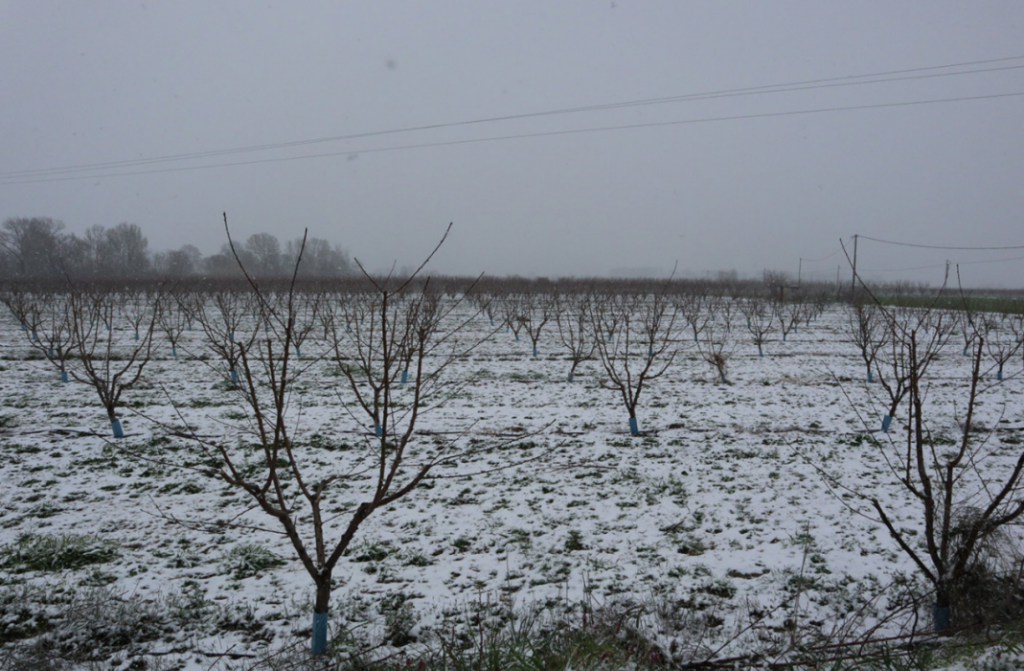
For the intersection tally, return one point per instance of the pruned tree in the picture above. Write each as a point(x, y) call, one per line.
point(962, 499)
point(716, 349)
point(535, 316)
point(892, 364)
point(760, 319)
point(52, 331)
point(640, 347)
point(866, 328)
point(574, 329)
point(1001, 343)
point(109, 362)
point(292, 482)
point(222, 323)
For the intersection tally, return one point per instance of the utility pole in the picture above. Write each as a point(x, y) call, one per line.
point(853, 280)
point(799, 270)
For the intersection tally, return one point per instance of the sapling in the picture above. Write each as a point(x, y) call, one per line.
point(108, 361)
point(536, 313)
point(760, 319)
point(640, 346)
point(867, 330)
point(574, 330)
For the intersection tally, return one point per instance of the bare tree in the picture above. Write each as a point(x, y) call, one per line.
point(536, 314)
point(291, 482)
point(223, 327)
point(640, 346)
point(959, 496)
point(1000, 342)
point(867, 330)
point(265, 252)
point(894, 368)
point(716, 349)
point(32, 244)
point(574, 330)
point(109, 362)
point(760, 319)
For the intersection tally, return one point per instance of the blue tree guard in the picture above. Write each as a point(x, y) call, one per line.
point(378, 430)
point(298, 351)
point(870, 378)
point(116, 426)
point(535, 352)
point(319, 642)
point(569, 379)
point(136, 335)
point(886, 421)
point(234, 377)
point(723, 378)
point(64, 376)
point(760, 352)
point(999, 373)
point(634, 428)
point(50, 353)
point(940, 617)
point(231, 336)
point(405, 376)
point(174, 351)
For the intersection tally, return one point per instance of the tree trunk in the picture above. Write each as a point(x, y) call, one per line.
point(320, 607)
point(941, 610)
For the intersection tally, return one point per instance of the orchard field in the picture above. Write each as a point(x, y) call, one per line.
point(737, 518)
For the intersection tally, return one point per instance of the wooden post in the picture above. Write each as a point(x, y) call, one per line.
point(853, 280)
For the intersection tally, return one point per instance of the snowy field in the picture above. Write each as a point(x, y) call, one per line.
point(714, 525)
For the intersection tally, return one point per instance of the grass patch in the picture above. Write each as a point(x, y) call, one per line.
point(57, 552)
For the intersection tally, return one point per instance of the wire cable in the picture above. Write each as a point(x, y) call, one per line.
point(919, 246)
point(824, 258)
point(850, 80)
point(577, 131)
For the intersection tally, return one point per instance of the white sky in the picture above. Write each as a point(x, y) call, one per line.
point(86, 83)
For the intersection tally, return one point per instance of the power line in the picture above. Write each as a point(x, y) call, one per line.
point(900, 270)
point(973, 263)
point(824, 258)
point(850, 80)
point(577, 131)
point(911, 244)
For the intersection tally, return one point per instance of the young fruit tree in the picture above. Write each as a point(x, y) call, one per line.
point(574, 330)
point(109, 359)
point(640, 346)
point(964, 489)
point(304, 486)
point(962, 499)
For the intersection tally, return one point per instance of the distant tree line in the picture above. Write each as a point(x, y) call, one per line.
point(38, 247)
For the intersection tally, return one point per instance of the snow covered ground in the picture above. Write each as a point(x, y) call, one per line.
point(716, 518)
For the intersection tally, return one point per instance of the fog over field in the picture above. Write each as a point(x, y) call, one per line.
point(605, 138)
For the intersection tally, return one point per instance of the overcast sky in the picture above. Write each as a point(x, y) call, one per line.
point(742, 182)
